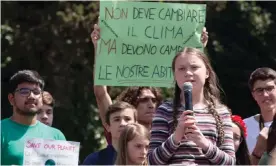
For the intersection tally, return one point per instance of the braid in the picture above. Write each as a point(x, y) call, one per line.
point(176, 103)
point(211, 91)
point(212, 103)
point(212, 110)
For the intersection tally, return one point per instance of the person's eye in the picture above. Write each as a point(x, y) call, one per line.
point(116, 120)
point(127, 119)
point(24, 91)
point(36, 91)
point(194, 67)
point(138, 146)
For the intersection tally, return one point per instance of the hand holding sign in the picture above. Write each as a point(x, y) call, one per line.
point(95, 35)
point(39, 151)
point(140, 39)
point(204, 37)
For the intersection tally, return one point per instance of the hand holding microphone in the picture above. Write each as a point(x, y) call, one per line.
point(188, 113)
point(191, 131)
point(187, 130)
point(186, 118)
point(187, 90)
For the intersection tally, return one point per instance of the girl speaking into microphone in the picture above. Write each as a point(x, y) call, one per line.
point(200, 136)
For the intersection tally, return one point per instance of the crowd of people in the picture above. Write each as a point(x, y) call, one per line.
point(143, 129)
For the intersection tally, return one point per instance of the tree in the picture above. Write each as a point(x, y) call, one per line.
point(240, 41)
point(54, 39)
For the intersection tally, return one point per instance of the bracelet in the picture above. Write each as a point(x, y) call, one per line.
point(258, 157)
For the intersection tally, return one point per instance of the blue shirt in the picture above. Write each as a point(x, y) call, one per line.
point(106, 156)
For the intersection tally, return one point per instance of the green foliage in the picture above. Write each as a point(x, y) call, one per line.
point(240, 41)
point(54, 39)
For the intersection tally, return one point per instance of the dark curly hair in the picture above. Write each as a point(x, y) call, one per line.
point(131, 94)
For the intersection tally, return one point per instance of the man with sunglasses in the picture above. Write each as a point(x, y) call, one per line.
point(144, 99)
point(25, 96)
point(262, 84)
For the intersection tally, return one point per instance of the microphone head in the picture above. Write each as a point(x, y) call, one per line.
point(187, 86)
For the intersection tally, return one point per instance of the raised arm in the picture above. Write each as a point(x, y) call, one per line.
point(102, 97)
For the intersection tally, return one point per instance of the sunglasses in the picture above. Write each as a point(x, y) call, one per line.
point(147, 99)
point(26, 91)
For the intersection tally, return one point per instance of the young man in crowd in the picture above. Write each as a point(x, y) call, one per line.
point(117, 117)
point(45, 113)
point(25, 96)
point(262, 84)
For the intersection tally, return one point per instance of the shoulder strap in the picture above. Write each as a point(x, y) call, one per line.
point(260, 120)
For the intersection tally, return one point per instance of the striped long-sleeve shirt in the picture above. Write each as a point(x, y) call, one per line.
point(163, 150)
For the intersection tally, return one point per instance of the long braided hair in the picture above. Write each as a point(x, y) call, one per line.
point(211, 92)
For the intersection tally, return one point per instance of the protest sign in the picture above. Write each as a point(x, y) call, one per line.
point(139, 40)
point(50, 152)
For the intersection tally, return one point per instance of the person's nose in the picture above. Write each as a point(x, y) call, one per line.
point(44, 116)
point(188, 72)
point(151, 104)
point(123, 122)
point(31, 95)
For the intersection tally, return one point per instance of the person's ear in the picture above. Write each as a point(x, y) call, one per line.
point(107, 127)
point(207, 74)
point(11, 99)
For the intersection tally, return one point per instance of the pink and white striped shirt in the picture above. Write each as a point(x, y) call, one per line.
point(162, 149)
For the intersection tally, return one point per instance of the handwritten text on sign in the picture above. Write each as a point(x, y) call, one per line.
point(51, 152)
point(139, 40)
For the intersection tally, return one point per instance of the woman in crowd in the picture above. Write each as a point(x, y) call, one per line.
point(200, 136)
point(133, 145)
point(239, 136)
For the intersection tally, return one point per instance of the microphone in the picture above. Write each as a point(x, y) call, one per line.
point(187, 89)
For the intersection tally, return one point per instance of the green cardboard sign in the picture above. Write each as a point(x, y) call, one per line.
point(139, 40)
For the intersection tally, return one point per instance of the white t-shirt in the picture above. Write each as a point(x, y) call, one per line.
point(253, 131)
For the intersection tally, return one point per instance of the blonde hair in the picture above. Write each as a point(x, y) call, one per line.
point(211, 91)
point(48, 99)
point(128, 134)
